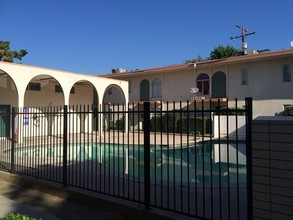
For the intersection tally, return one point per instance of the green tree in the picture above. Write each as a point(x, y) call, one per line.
point(8, 55)
point(220, 52)
point(198, 59)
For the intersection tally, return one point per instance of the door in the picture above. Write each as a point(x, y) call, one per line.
point(144, 90)
point(219, 85)
point(4, 120)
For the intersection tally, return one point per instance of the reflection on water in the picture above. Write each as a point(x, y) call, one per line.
point(206, 163)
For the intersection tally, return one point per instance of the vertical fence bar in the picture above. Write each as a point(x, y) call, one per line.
point(12, 140)
point(168, 155)
point(65, 145)
point(211, 159)
point(237, 158)
point(147, 154)
point(248, 105)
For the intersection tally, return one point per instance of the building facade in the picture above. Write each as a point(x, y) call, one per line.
point(266, 77)
point(29, 88)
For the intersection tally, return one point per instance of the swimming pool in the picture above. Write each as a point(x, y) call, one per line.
point(208, 162)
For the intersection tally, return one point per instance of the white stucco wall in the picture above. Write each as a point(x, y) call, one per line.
point(21, 75)
point(14, 79)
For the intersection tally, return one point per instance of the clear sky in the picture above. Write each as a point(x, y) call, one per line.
point(94, 36)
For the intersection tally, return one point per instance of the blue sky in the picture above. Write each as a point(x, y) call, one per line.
point(94, 36)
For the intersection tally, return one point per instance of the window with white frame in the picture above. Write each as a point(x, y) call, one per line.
point(203, 83)
point(286, 73)
point(157, 88)
point(244, 76)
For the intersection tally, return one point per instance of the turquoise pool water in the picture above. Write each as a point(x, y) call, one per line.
point(209, 162)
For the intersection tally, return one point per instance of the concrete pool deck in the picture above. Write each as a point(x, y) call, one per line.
point(176, 140)
point(49, 202)
point(18, 199)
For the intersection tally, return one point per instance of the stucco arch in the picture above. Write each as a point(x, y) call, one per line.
point(114, 94)
point(8, 90)
point(113, 105)
point(83, 92)
point(41, 86)
point(83, 97)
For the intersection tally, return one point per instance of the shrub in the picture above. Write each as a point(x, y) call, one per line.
point(17, 216)
point(172, 122)
point(231, 111)
point(120, 124)
point(288, 111)
point(165, 123)
point(188, 125)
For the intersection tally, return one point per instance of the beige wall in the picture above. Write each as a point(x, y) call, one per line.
point(265, 84)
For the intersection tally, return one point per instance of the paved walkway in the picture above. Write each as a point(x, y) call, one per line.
point(47, 207)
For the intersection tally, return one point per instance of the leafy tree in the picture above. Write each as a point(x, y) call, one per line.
point(220, 52)
point(8, 55)
point(198, 59)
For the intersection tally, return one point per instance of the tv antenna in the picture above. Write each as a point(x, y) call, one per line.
point(242, 36)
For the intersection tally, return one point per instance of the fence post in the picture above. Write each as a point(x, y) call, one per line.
point(12, 140)
point(147, 175)
point(248, 105)
point(65, 129)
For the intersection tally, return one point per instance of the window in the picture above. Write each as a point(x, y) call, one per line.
point(58, 89)
point(72, 91)
point(144, 90)
point(203, 83)
point(244, 76)
point(34, 86)
point(286, 73)
point(129, 86)
point(157, 88)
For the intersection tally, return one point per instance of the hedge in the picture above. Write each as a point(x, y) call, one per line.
point(288, 111)
point(173, 123)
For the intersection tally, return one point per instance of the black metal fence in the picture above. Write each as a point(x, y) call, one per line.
point(191, 158)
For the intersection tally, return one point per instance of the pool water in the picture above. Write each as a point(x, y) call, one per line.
point(208, 162)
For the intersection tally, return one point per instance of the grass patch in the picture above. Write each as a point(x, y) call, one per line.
point(17, 216)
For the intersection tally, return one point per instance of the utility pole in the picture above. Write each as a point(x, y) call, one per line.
point(242, 36)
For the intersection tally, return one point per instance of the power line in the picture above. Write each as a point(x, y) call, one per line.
point(242, 36)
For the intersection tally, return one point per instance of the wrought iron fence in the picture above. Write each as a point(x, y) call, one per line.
point(191, 158)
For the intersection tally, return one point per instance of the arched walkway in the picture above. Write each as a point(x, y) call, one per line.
point(8, 98)
point(43, 86)
point(114, 103)
point(28, 87)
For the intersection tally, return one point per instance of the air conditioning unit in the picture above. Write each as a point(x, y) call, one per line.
point(119, 70)
point(251, 52)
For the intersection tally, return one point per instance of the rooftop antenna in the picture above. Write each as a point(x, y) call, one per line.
point(242, 36)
